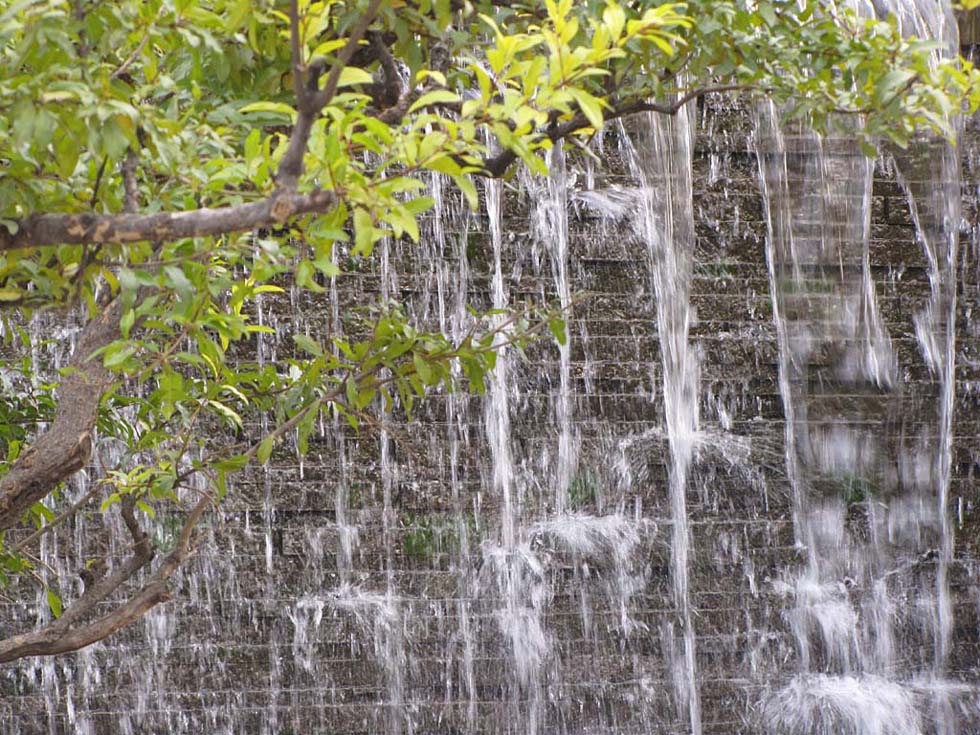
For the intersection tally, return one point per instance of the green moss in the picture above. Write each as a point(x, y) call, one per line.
point(583, 491)
point(855, 489)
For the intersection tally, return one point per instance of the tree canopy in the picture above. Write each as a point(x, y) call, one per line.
point(163, 163)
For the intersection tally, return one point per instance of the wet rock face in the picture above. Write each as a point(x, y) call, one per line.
point(508, 563)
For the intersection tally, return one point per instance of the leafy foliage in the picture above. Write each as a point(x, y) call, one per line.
point(289, 139)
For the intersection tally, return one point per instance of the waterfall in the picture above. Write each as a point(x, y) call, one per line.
point(453, 321)
point(660, 154)
point(861, 500)
point(511, 571)
point(552, 231)
point(723, 507)
point(930, 176)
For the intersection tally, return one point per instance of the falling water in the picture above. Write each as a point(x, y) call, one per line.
point(661, 156)
point(454, 320)
point(510, 569)
point(930, 177)
point(807, 584)
point(552, 231)
point(838, 376)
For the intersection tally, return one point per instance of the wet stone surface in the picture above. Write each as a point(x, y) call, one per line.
point(508, 563)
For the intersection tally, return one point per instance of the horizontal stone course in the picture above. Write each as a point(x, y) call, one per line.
point(229, 654)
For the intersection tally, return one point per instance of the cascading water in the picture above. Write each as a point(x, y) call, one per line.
point(505, 566)
point(660, 154)
point(860, 499)
point(552, 231)
point(460, 672)
point(511, 572)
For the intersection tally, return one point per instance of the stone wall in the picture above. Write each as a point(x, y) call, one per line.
point(257, 639)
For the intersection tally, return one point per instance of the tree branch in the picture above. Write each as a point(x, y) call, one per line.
point(391, 89)
point(59, 638)
point(106, 585)
point(323, 97)
point(66, 445)
point(55, 229)
point(124, 67)
point(309, 102)
point(497, 165)
point(61, 518)
point(48, 642)
point(291, 165)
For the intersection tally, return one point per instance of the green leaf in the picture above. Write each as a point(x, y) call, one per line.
point(439, 96)
point(118, 354)
point(264, 451)
point(327, 267)
point(253, 146)
point(558, 329)
point(305, 277)
point(363, 232)
point(54, 602)
point(469, 190)
point(590, 106)
point(422, 368)
point(351, 75)
point(232, 464)
point(221, 483)
point(229, 415)
point(177, 279)
point(308, 345)
point(275, 107)
point(126, 322)
point(364, 398)
point(109, 502)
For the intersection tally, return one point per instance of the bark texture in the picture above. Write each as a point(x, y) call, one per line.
point(66, 446)
point(39, 230)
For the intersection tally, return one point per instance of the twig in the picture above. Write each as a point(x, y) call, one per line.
point(124, 67)
point(323, 97)
point(309, 102)
point(128, 62)
point(58, 520)
point(98, 182)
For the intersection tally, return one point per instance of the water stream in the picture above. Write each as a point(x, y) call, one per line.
point(660, 156)
point(728, 504)
point(866, 503)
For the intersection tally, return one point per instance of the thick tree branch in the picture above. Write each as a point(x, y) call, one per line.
point(59, 637)
point(66, 445)
point(101, 588)
point(47, 642)
point(291, 165)
point(390, 91)
point(55, 229)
